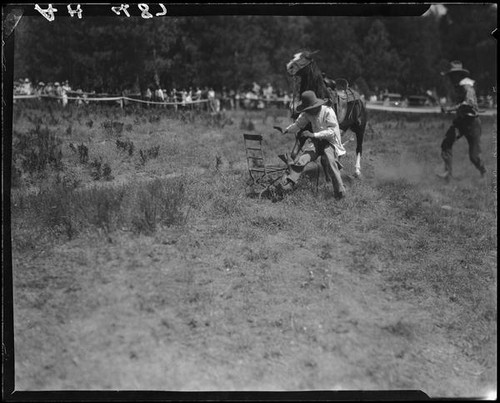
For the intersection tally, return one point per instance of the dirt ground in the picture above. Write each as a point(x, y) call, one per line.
point(265, 302)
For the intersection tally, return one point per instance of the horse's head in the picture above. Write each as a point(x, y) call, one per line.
point(299, 61)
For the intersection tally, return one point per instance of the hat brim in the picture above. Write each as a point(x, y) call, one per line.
point(455, 71)
point(319, 102)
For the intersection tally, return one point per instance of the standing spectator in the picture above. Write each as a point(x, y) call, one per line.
point(47, 90)
point(159, 95)
point(165, 96)
point(58, 91)
point(40, 88)
point(268, 93)
point(189, 98)
point(217, 103)
point(237, 99)
point(286, 100)
point(68, 87)
point(211, 99)
point(19, 86)
point(224, 99)
point(173, 98)
point(148, 95)
point(183, 97)
point(256, 88)
point(431, 94)
point(489, 99)
point(197, 97)
point(231, 96)
point(466, 122)
point(27, 89)
point(79, 96)
point(64, 92)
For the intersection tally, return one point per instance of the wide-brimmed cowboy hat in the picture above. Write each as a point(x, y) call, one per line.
point(308, 100)
point(456, 68)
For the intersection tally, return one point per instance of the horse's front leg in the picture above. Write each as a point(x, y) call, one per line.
point(359, 152)
point(357, 166)
point(357, 169)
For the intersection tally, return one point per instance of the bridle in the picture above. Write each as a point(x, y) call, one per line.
point(299, 61)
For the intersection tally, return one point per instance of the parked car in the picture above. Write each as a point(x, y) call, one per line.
point(393, 99)
point(418, 100)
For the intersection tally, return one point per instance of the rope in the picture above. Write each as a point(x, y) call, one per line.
point(85, 99)
point(165, 103)
point(119, 98)
point(368, 105)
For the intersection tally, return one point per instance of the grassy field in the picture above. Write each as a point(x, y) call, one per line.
point(140, 261)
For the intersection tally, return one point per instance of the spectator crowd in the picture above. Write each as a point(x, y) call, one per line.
point(252, 96)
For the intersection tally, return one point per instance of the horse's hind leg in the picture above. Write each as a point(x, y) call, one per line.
point(359, 130)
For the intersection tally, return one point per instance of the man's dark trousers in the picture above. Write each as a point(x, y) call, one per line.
point(470, 128)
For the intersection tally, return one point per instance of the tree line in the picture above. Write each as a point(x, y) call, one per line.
point(401, 54)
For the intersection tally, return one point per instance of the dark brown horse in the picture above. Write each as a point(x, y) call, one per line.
point(348, 105)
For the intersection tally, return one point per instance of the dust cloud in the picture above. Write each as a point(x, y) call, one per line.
point(403, 167)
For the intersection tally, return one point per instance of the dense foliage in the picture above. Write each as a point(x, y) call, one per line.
point(403, 54)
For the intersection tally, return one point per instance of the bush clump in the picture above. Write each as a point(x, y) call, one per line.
point(141, 208)
point(37, 150)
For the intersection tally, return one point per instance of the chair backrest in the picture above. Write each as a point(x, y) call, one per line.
point(254, 151)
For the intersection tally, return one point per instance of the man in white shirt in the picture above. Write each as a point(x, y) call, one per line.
point(211, 99)
point(324, 141)
point(64, 92)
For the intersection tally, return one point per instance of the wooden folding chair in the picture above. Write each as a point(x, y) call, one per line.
point(262, 175)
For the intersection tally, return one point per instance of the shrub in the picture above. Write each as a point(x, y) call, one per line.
point(157, 202)
point(83, 153)
point(53, 211)
point(126, 146)
point(36, 150)
point(148, 154)
point(100, 170)
point(60, 210)
point(113, 128)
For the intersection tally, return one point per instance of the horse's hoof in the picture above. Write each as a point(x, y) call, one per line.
point(357, 174)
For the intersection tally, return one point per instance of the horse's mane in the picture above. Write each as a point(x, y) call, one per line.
point(312, 79)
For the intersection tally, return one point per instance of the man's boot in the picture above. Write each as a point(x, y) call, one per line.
point(447, 174)
point(482, 170)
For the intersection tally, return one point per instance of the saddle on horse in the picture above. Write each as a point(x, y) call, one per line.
point(341, 97)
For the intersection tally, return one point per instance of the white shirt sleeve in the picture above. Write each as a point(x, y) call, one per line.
point(330, 121)
point(299, 124)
